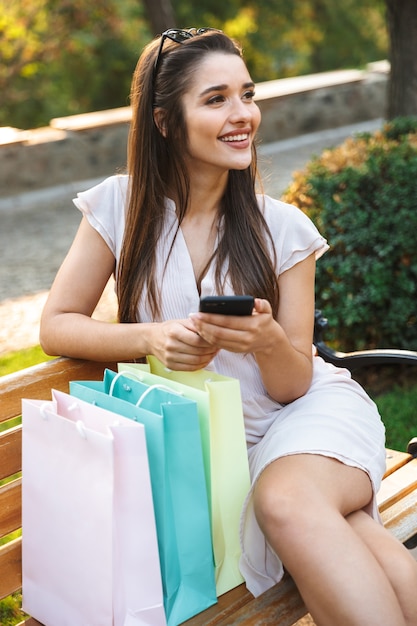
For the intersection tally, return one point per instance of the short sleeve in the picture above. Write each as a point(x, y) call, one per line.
point(104, 207)
point(294, 234)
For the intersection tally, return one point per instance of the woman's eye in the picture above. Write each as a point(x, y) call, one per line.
point(215, 99)
point(249, 95)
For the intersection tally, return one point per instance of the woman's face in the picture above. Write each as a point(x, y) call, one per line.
point(220, 115)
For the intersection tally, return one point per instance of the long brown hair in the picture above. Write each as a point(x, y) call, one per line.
point(156, 164)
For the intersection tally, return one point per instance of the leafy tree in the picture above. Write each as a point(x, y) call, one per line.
point(60, 57)
point(283, 38)
point(402, 24)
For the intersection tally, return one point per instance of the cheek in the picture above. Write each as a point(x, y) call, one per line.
point(257, 117)
point(204, 126)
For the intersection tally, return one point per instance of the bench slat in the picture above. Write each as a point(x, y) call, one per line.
point(394, 460)
point(36, 382)
point(400, 518)
point(226, 605)
point(397, 485)
point(10, 507)
point(10, 452)
point(238, 608)
point(10, 567)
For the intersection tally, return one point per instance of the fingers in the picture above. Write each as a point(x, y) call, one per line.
point(179, 347)
point(234, 333)
point(262, 306)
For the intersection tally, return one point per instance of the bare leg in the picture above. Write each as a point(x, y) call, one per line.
point(301, 503)
point(397, 563)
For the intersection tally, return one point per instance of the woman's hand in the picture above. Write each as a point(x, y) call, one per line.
point(282, 346)
point(178, 345)
point(246, 334)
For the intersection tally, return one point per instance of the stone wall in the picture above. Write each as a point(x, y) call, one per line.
point(92, 145)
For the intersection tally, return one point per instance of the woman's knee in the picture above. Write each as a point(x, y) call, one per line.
point(282, 502)
point(274, 505)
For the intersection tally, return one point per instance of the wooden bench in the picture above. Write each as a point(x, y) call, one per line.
point(281, 605)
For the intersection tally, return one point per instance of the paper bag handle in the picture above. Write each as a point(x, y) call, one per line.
point(156, 386)
point(79, 424)
point(137, 377)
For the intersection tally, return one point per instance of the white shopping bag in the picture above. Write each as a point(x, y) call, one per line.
point(89, 545)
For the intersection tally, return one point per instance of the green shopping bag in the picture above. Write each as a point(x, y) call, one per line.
point(225, 455)
point(178, 486)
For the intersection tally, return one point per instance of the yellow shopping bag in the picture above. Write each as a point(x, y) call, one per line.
point(225, 455)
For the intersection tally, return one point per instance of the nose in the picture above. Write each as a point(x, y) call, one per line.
point(240, 111)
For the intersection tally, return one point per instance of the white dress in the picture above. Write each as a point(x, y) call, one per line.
point(334, 418)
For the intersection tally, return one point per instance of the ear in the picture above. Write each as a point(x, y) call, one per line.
point(159, 116)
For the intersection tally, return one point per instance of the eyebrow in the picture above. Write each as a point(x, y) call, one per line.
point(224, 87)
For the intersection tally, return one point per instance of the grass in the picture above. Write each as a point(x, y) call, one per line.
point(399, 411)
point(394, 390)
point(15, 361)
point(10, 611)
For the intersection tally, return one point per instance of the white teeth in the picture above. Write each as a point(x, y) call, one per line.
point(242, 137)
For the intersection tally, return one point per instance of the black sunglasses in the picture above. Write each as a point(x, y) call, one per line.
point(179, 36)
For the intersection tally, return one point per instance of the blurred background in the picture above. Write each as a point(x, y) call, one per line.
point(64, 57)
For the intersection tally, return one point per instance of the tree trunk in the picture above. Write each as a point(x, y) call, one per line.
point(402, 26)
point(161, 15)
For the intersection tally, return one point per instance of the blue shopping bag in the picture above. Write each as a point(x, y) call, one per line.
point(225, 454)
point(178, 485)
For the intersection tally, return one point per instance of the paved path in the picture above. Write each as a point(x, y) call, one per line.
point(37, 229)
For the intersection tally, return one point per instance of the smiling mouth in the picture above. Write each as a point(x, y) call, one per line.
point(231, 138)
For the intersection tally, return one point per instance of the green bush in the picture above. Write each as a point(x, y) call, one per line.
point(362, 195)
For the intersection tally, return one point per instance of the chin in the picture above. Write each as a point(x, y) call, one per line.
point(241, 166)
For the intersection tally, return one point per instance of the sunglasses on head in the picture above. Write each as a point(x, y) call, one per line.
point(178, 35)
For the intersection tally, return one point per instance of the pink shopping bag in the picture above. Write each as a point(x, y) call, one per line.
point(89, 545)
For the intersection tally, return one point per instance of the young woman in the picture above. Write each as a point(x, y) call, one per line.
point(185, 222)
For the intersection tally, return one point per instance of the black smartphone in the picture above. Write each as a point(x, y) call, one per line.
point(227, 305)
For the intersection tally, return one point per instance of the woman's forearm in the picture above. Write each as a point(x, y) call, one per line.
point(286, 372)
point(79, 336)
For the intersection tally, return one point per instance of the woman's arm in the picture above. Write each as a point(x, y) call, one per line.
point(68, 329)
point(282, 347)
point(66, 324)
point(285, 360)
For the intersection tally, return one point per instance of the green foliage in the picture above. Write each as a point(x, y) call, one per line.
point(282, 38)
point(362, 197)
point(62, 57)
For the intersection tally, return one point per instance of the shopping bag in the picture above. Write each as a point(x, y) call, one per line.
point(178, 486)
point(89, 545)
point(226, 461)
